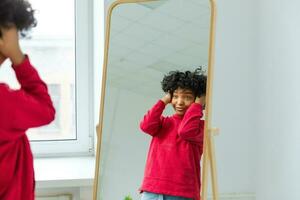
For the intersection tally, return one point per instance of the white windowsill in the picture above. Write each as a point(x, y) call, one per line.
point(64, 172)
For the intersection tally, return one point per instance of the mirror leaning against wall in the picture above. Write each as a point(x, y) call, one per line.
point(145, 41)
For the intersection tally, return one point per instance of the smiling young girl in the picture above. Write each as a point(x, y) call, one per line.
point(173, 165)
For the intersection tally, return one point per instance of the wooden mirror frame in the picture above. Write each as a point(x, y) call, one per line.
point(208, 159)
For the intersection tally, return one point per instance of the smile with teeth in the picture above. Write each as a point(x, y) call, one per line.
point(180, 109)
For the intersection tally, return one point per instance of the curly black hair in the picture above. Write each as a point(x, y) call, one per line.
point(194, 81)
point(18, 13)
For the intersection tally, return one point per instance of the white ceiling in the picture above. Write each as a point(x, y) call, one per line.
point(150, 39)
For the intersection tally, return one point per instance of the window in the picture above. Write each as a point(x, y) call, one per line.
point(60, 48)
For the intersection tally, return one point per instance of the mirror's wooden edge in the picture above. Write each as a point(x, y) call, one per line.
point(209, 86)
point(213, 169)
point(99, 126)
point(104, 70)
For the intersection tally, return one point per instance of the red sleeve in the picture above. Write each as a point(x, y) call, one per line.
point(191, 127)
point(152, 121)
point(29, 106)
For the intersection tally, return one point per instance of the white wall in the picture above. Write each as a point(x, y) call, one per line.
point(235, 95)
point(279, 101)
point(256, 98)
point(124, 146)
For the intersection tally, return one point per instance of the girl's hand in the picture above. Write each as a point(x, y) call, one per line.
point(200, 100)
point(9, 45)
point(2, 59)
point(167, 98)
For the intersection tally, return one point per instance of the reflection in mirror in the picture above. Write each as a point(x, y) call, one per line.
point(147, 40)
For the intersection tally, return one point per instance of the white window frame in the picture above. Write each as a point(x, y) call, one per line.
point(84, 99)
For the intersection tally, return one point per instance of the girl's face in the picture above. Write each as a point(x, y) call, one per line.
point(181, 100)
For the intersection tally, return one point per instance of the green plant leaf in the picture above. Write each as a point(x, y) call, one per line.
point(128, 198)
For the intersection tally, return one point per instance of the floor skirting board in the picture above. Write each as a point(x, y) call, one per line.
point(235, 196)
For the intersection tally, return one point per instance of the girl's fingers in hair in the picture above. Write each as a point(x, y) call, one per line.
point(200, 100)
point(167, 98)
point(2, 59)
point(9, 45)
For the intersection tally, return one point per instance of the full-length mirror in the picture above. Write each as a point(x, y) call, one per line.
point(146, 40)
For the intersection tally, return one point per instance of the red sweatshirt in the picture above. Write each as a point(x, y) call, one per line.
point(21, 109)
point(173, 163)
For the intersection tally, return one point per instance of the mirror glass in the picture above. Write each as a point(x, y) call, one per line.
point(147, 40)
